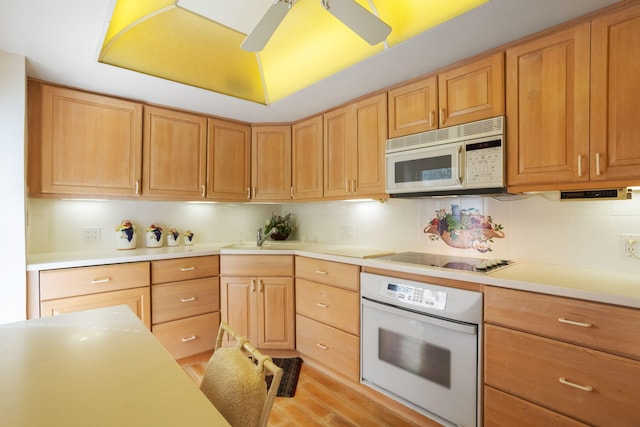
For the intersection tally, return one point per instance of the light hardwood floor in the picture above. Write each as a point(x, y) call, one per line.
point(319, 401)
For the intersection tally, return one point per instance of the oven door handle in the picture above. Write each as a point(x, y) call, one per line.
point(453, 325)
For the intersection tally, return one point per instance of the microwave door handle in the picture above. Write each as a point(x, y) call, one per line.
point(460, 165)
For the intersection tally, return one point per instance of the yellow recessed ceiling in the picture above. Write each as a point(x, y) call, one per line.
point(163, 39)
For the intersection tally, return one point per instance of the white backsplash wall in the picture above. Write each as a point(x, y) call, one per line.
point(56, 225)
point(537, 228)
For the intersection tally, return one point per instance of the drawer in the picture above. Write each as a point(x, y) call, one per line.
point(177, 269)
point(601, 326)
point(504, 410)
point(256, 265)
point(333, 306)
point(68, 282)
point(173, 301)
point(531, 367)
point(333, 348)
point(345, 276)
point(137, 299)
point(189, 336)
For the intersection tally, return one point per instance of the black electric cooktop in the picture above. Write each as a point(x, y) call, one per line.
point(448, 261)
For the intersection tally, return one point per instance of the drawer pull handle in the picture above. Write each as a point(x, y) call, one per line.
point(191, 338)
point(322, 346)
point(187, 299)
point(574, 323)
point(105, 280)
point(321, 272)
point(321, 304)
point(187, 268)
point(564, 381)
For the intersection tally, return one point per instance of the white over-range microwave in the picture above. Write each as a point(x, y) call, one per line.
point(463, 159)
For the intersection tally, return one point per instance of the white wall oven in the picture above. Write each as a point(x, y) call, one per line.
point(420, 345)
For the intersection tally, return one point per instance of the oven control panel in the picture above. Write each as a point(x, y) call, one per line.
point(414, 295)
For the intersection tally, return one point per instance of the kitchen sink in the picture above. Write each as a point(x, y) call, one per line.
point(272, 245)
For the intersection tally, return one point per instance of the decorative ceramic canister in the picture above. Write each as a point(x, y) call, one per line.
point(125, 235)
point(173, 237)
point(188, 238)
point(154, 236)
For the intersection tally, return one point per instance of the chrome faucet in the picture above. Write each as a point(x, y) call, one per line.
point(262, 237)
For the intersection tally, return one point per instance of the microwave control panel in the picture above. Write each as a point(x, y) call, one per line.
point(485, 164)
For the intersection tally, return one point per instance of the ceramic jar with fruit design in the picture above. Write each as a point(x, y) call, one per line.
point(125, 235)
point(153, 237)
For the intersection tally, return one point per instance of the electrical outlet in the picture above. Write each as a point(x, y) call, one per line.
point(630, 244)
point(91, 234)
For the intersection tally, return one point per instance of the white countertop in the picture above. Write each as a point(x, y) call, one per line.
point(94, 368)
point(590, 284)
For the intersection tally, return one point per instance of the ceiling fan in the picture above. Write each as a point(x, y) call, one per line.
point(362, 22)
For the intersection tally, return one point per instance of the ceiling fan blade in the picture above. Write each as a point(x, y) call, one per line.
point(264, 29)
point(362, 22)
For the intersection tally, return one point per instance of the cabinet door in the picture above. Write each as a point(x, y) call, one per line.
point(236, 306)
point(271, 163)
point(368, 154)
point(275, 312)
point(615, 90)
point(339, 137)
point(82, 143)
point(175, 147)
point(228, 165)
point(413, 108)
point(306, 168)
point(472, 92)
point(137, 299)
point(548, 109)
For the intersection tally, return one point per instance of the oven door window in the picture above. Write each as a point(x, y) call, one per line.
point(424, 168)
point(428, 362)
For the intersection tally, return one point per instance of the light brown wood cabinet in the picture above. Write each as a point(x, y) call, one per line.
point(306, 166)
point(459, 94)
point(328, 314)
point(83, 144)
point(185, 295)
point(257, 298)
point(174, 154)
point(84, 288)
point(354, 149)
point(271, 163)
point(560, 359)
point(228, 161)
point(571, 96)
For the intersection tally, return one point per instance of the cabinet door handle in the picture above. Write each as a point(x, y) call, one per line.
point(253, 285)
point(259, 285)
point(187, 268)
point(442, 120)
point(598, 164)
point(579, 164)
point(291, 192)
point(202, 190)
point(97, 281)
point(431, 116)
point(321, 272)
point(574, 323)
point(137, 186)
point(564, 381)
point(248, 193)
point(322, 346)
point(191, 338)
point(321, 304)
point(187, 299)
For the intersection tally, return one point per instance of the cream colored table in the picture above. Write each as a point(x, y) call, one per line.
point(94, 368)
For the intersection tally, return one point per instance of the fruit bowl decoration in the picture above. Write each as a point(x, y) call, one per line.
point(464, 229)
point(173, 237)
point(154, 236)
point(188, 238)
point(125, 235)
point(284, 225)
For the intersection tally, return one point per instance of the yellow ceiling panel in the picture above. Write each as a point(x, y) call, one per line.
point(159, 38)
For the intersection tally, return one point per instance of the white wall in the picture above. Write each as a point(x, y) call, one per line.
point(12, 187)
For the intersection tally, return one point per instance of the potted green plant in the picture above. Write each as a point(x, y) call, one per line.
point(284, 225)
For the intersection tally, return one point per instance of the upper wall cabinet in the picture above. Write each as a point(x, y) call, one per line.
point(82, 143)
point(571, 106)
point(354, 145)
point(228, 164)
point(174, 154)
point(306, 166)
point(465, 93)
point(271, 163)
